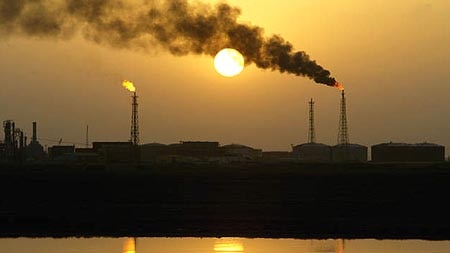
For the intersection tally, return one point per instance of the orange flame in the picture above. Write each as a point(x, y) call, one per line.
point(128, 85)
point(129, 246)
point(339, 86)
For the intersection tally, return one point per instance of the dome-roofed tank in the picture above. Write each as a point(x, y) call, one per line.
point(349, 153)
point(241, 150)
point(312, 152)
point(405, 152)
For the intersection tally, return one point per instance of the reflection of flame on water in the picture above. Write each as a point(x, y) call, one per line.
point(129, 246)
point(128, 85)
point(228, 246)
point(340, 246)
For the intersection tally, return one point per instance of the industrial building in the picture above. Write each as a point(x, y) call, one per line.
point(152, 152)
point(349, 153)
point(276, 156)
point(115, 152)
point(312, 152)
point(404, 152)
point(238, 152)
point(61, 152)
point(186, 151)
point(86, 155)
point(193, 151)
point(198, 148)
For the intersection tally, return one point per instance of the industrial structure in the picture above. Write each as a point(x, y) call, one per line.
point(14, 147)
point(311, 129)
point(152, 152)
point(344, 151)
point(61, 152)
point(198, 151)
point(404, 152)
point(312, 151)
point(134, 136)
point(114, 152)
point(343, 128)
point(35, 151)
point(238, 152)
point(349, 153)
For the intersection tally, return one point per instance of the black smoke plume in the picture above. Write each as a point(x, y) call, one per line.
point(178, 26)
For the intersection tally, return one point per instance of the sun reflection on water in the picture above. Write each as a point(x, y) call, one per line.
point(228, 245)
point(129, 246)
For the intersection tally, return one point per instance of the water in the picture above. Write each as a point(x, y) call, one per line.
point(217, 245)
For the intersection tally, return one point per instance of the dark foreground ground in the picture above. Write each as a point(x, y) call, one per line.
point(276, 200)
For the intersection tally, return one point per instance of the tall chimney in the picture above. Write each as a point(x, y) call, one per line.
point(87, 136)
point(34, 138)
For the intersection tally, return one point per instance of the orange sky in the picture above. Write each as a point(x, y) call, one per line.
point(392, 57)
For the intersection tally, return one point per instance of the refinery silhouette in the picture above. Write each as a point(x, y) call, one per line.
point(16, 148)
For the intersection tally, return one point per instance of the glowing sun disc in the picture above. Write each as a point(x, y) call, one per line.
point(229, 62)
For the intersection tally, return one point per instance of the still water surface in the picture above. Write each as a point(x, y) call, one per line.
point(217, 245)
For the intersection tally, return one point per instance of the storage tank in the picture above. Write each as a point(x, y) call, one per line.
point(404, 152)
point(241, 151)
point(312, 152)
point(349, 153)
point(151, 151)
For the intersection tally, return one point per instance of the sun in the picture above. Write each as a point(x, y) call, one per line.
point(229, 62)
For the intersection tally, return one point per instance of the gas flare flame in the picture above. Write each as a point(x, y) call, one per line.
point(129, 246)
point(128, 85)
point(339, 86)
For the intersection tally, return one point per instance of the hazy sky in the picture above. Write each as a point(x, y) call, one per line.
point(393, 57)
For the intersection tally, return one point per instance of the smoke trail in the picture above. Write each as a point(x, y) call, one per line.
point(177, 26)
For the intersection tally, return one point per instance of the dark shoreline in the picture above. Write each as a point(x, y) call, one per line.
point(257, 200)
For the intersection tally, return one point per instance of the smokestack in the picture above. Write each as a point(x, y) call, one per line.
point(34, 137)
point(87, 136)
point(177, 26)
